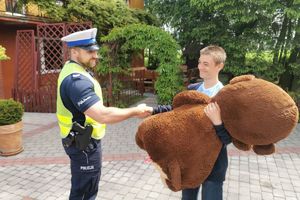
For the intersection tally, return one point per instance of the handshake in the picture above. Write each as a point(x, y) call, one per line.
point(142, 110)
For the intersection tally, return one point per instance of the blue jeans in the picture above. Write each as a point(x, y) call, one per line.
point(211, 190)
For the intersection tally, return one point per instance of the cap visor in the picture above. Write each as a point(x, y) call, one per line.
point(94, 47)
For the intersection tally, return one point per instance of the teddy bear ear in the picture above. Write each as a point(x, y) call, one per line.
point(241, 79)
point(190, 97)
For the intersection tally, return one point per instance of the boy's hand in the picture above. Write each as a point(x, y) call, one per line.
point(213, 112)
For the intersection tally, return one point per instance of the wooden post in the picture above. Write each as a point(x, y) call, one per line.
point(139, 4)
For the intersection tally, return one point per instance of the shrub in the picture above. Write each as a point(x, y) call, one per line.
point(2, 54)
point(11, 111)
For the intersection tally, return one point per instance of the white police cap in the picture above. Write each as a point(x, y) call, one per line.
point(83, 39)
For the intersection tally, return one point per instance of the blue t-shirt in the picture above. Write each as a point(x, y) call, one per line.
point(212, 91)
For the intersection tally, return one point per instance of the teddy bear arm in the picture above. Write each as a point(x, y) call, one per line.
point(264, 149)
point(240, 145)
point(190, 97)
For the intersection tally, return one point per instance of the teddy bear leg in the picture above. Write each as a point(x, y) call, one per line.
point(240, 145)
point(264, 149)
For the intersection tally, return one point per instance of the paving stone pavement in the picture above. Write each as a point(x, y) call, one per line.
point(41, 171)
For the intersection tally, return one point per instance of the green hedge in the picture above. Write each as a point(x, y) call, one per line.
point(126, 41)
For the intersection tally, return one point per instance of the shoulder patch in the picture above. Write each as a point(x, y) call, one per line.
point(76, 76)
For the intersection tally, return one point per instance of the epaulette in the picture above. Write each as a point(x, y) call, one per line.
point(76, 76)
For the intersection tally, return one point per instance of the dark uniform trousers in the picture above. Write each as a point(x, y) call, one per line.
point(85, 170)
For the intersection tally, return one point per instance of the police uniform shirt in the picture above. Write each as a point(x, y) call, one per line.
point(78, 94)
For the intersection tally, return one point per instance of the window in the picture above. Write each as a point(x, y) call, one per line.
point(13, 6)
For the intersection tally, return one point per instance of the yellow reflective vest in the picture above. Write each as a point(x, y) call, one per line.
point(64, 116)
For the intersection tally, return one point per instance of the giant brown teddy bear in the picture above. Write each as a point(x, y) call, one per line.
point(183, 142)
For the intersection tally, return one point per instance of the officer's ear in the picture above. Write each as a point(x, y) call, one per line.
point(73, 51)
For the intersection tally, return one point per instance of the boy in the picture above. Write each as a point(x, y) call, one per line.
point(211, 62)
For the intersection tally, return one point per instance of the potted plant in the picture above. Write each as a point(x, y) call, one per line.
point(11, 126)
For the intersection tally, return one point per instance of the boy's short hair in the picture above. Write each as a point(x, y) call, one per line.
point(218, 53)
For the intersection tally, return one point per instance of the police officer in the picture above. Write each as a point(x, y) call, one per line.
point(79, 100)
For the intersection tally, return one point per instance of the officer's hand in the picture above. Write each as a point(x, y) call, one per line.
point(213, 112)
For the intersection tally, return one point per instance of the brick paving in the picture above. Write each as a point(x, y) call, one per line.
point(42, 172)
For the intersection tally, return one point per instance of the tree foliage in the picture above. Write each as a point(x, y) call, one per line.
point(104, 14)
point(249, 30)
point(123, 42)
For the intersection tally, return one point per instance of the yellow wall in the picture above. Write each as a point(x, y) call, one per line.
point(32, 9)
point(2, 5)
point(136, 4)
